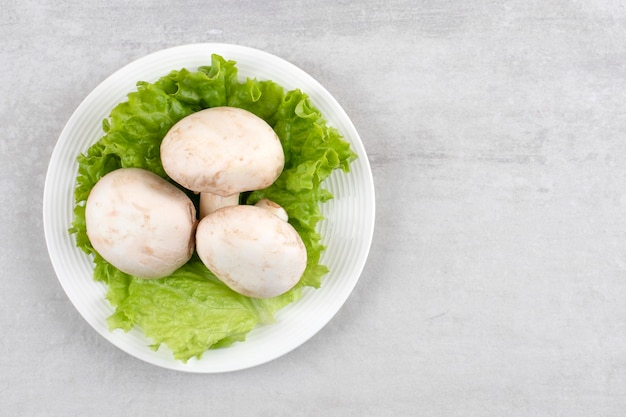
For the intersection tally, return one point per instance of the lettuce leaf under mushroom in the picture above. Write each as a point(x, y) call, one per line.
point(191, 310)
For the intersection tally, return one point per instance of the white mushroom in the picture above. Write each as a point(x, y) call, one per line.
point(251, 250)
point(140, 223)
point(221, 152)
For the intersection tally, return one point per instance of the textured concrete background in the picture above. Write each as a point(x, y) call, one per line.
point(496, 283)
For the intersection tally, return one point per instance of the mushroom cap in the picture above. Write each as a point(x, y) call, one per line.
point(222, 150)
point(251, 250)
point(140, 223)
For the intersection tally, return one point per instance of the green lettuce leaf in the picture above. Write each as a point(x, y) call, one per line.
point(191, 310)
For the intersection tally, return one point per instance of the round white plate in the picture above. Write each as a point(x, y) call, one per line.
point(347, 231)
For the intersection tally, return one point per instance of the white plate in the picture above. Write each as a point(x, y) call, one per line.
point(347, 231)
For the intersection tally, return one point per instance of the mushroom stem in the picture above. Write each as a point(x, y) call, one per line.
point(210, 202)
point(273, 208)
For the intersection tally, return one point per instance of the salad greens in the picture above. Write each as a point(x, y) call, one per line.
point(191, 310)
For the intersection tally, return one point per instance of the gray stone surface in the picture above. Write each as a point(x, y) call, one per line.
point(497, 276)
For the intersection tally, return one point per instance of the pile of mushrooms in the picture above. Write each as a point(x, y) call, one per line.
point(147, 227)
